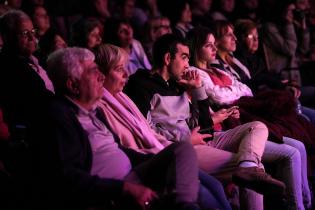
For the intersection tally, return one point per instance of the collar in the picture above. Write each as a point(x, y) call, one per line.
point(80, 109)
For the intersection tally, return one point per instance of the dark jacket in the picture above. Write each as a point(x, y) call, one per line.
point(144, 86)
point(66, 159)
point(22, 91)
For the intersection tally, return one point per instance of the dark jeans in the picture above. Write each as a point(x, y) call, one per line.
point(173, 171)
point(211, 193)
point(307, 97)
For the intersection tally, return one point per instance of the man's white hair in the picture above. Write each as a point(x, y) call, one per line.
point(65, 64)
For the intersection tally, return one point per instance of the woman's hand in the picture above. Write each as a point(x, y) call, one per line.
point(235, 114)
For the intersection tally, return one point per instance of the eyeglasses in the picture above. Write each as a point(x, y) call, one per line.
point(28, 33)
point(252, 36)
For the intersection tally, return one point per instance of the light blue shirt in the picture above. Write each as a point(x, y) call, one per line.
point(109, 161)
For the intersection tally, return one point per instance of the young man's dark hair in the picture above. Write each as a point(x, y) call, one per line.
point(165, 44)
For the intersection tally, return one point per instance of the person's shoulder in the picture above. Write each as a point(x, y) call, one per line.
point(6, 59)
point(141, 75)
point(143, 80)
point(61, 106)
point(269, 26)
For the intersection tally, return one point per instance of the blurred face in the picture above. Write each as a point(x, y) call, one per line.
point(164, 27)
point(204, 5)
point(179, 64)
point(101, 7)
point(59, 43)
point(116, 79)
point(91, 83)
point(41, 20)
point(154, 27)
point(15, 4)
point(228, 42)
point(251, 41)
point(227, 5)
point(186, 14)
point(302, 4)
point(26, 41)
point(128, 8)
point(208, 51)
point(94, 38)
point(251, 4)
point(125, 35)
point(160, 27)
point(289, 12)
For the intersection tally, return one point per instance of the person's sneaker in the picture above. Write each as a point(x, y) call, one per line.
point(257, 179)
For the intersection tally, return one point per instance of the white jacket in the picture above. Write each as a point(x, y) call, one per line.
point(222, 95)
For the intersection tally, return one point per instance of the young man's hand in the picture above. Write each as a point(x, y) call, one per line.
point(191, 80)
point(198, 138)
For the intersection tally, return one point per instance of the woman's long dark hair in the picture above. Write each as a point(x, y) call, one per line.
point(196, 38)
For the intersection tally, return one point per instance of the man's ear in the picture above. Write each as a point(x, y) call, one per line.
point(72, 86)
point(167, 58)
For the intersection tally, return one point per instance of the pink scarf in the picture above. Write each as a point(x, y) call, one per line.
point(127, 122)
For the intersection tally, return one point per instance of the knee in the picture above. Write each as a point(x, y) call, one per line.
point(258, 127)
point(296, 144)
point(291, 153)
point(300, 146)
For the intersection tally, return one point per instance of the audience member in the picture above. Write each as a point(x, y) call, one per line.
point(64, 13)
point(25, 86)
point(25, 89)
point(223, 10)
point(248, 53)
point(120, 33)
point(154, 28)
point(49, 42)
point(87, 33)
point(201, 12)
point(247, 9)
point(97, 9)
point(127, 10)
point(181, 18)
point(149, 7)
point(40, 20)
point(283, 35)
